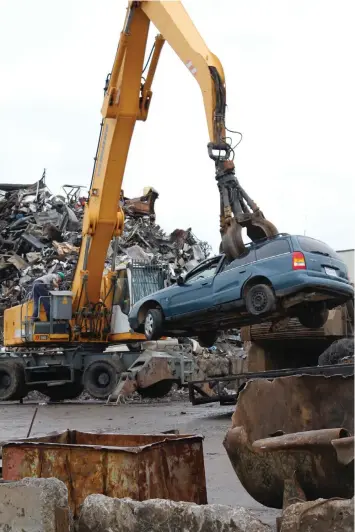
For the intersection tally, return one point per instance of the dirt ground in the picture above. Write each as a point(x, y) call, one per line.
point(212, 421)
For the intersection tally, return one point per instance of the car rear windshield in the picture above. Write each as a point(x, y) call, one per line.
point(273, 248)
point(315, 246)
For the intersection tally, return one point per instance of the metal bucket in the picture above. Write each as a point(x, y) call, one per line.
point(292, 439)
point(139, 466)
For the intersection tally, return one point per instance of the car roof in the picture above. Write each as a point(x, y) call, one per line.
point(265, 240)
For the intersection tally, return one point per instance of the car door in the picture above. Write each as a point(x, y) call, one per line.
point(229, 282)
point(196, 292)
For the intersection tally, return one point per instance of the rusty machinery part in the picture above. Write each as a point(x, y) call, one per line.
point(157, 390)
point(286, 438)
point(142, 206)
point(217, 385)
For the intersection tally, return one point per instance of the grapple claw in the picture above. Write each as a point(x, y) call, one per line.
point(257, 228)
point(232, 242)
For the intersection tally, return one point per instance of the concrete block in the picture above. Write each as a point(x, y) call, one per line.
point(34, 505)
point(319, 516)
point(104, 514)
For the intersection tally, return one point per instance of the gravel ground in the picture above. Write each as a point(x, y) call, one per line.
point(212, 421)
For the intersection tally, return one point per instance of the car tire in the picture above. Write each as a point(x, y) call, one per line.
point(260, 299)
point(12, 381)
point(156, 390)
point(207, 339)
point(313, 316)
point(100, 379)
point(153, 324)
point(343, 348)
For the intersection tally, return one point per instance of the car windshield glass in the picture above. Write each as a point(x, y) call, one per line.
point(315, 246)
point(204, 272)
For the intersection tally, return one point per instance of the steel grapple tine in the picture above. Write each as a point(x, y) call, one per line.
point(232, 241)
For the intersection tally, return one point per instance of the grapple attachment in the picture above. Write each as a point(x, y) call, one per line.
point(238, 210)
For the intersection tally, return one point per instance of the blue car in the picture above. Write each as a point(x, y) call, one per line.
point(276, 277)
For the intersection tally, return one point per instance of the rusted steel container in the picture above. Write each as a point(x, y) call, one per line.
point(146, 466)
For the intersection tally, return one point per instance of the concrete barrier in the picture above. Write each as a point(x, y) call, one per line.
point(34, 505)
point(104, 514)
point(319, 516)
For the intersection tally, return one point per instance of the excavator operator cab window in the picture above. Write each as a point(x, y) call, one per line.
point(146, 279)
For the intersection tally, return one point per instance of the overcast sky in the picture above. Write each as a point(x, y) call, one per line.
point(289, 67)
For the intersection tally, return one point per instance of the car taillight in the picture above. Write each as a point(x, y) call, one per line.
point(298, 261)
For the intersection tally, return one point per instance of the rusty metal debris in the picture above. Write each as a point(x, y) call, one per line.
point(139, 466)
point(41, 233)
point(286, 438)
point(142, 206)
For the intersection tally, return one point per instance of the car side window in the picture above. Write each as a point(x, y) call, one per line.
point(247, 257)
point(273, 248)
point(206, 271)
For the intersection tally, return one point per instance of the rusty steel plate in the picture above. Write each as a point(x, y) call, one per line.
point(161, 466)
point(287, 434)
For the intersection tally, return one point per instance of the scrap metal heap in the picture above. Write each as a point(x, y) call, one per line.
point(41, 233)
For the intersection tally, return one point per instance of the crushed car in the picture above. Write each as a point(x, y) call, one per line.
point(275, 278)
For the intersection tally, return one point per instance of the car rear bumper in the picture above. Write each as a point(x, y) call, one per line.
point(331, 287)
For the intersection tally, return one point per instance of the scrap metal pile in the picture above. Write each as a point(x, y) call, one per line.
point(41, 233)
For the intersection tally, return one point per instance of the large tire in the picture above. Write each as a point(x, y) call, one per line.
point(159, 389)
point(313, 316)
point(12, 381)
point(260, 299)
point(100, 379)
point(153, 324)
point(207, 339)
point(337, 351)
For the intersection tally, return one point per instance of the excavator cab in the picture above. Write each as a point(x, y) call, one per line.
point(57, 329)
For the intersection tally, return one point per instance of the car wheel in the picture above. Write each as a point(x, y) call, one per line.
point(153, 324)
point(313, 316)
point(100, 379)
point(207, 339)
point(260, 299)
